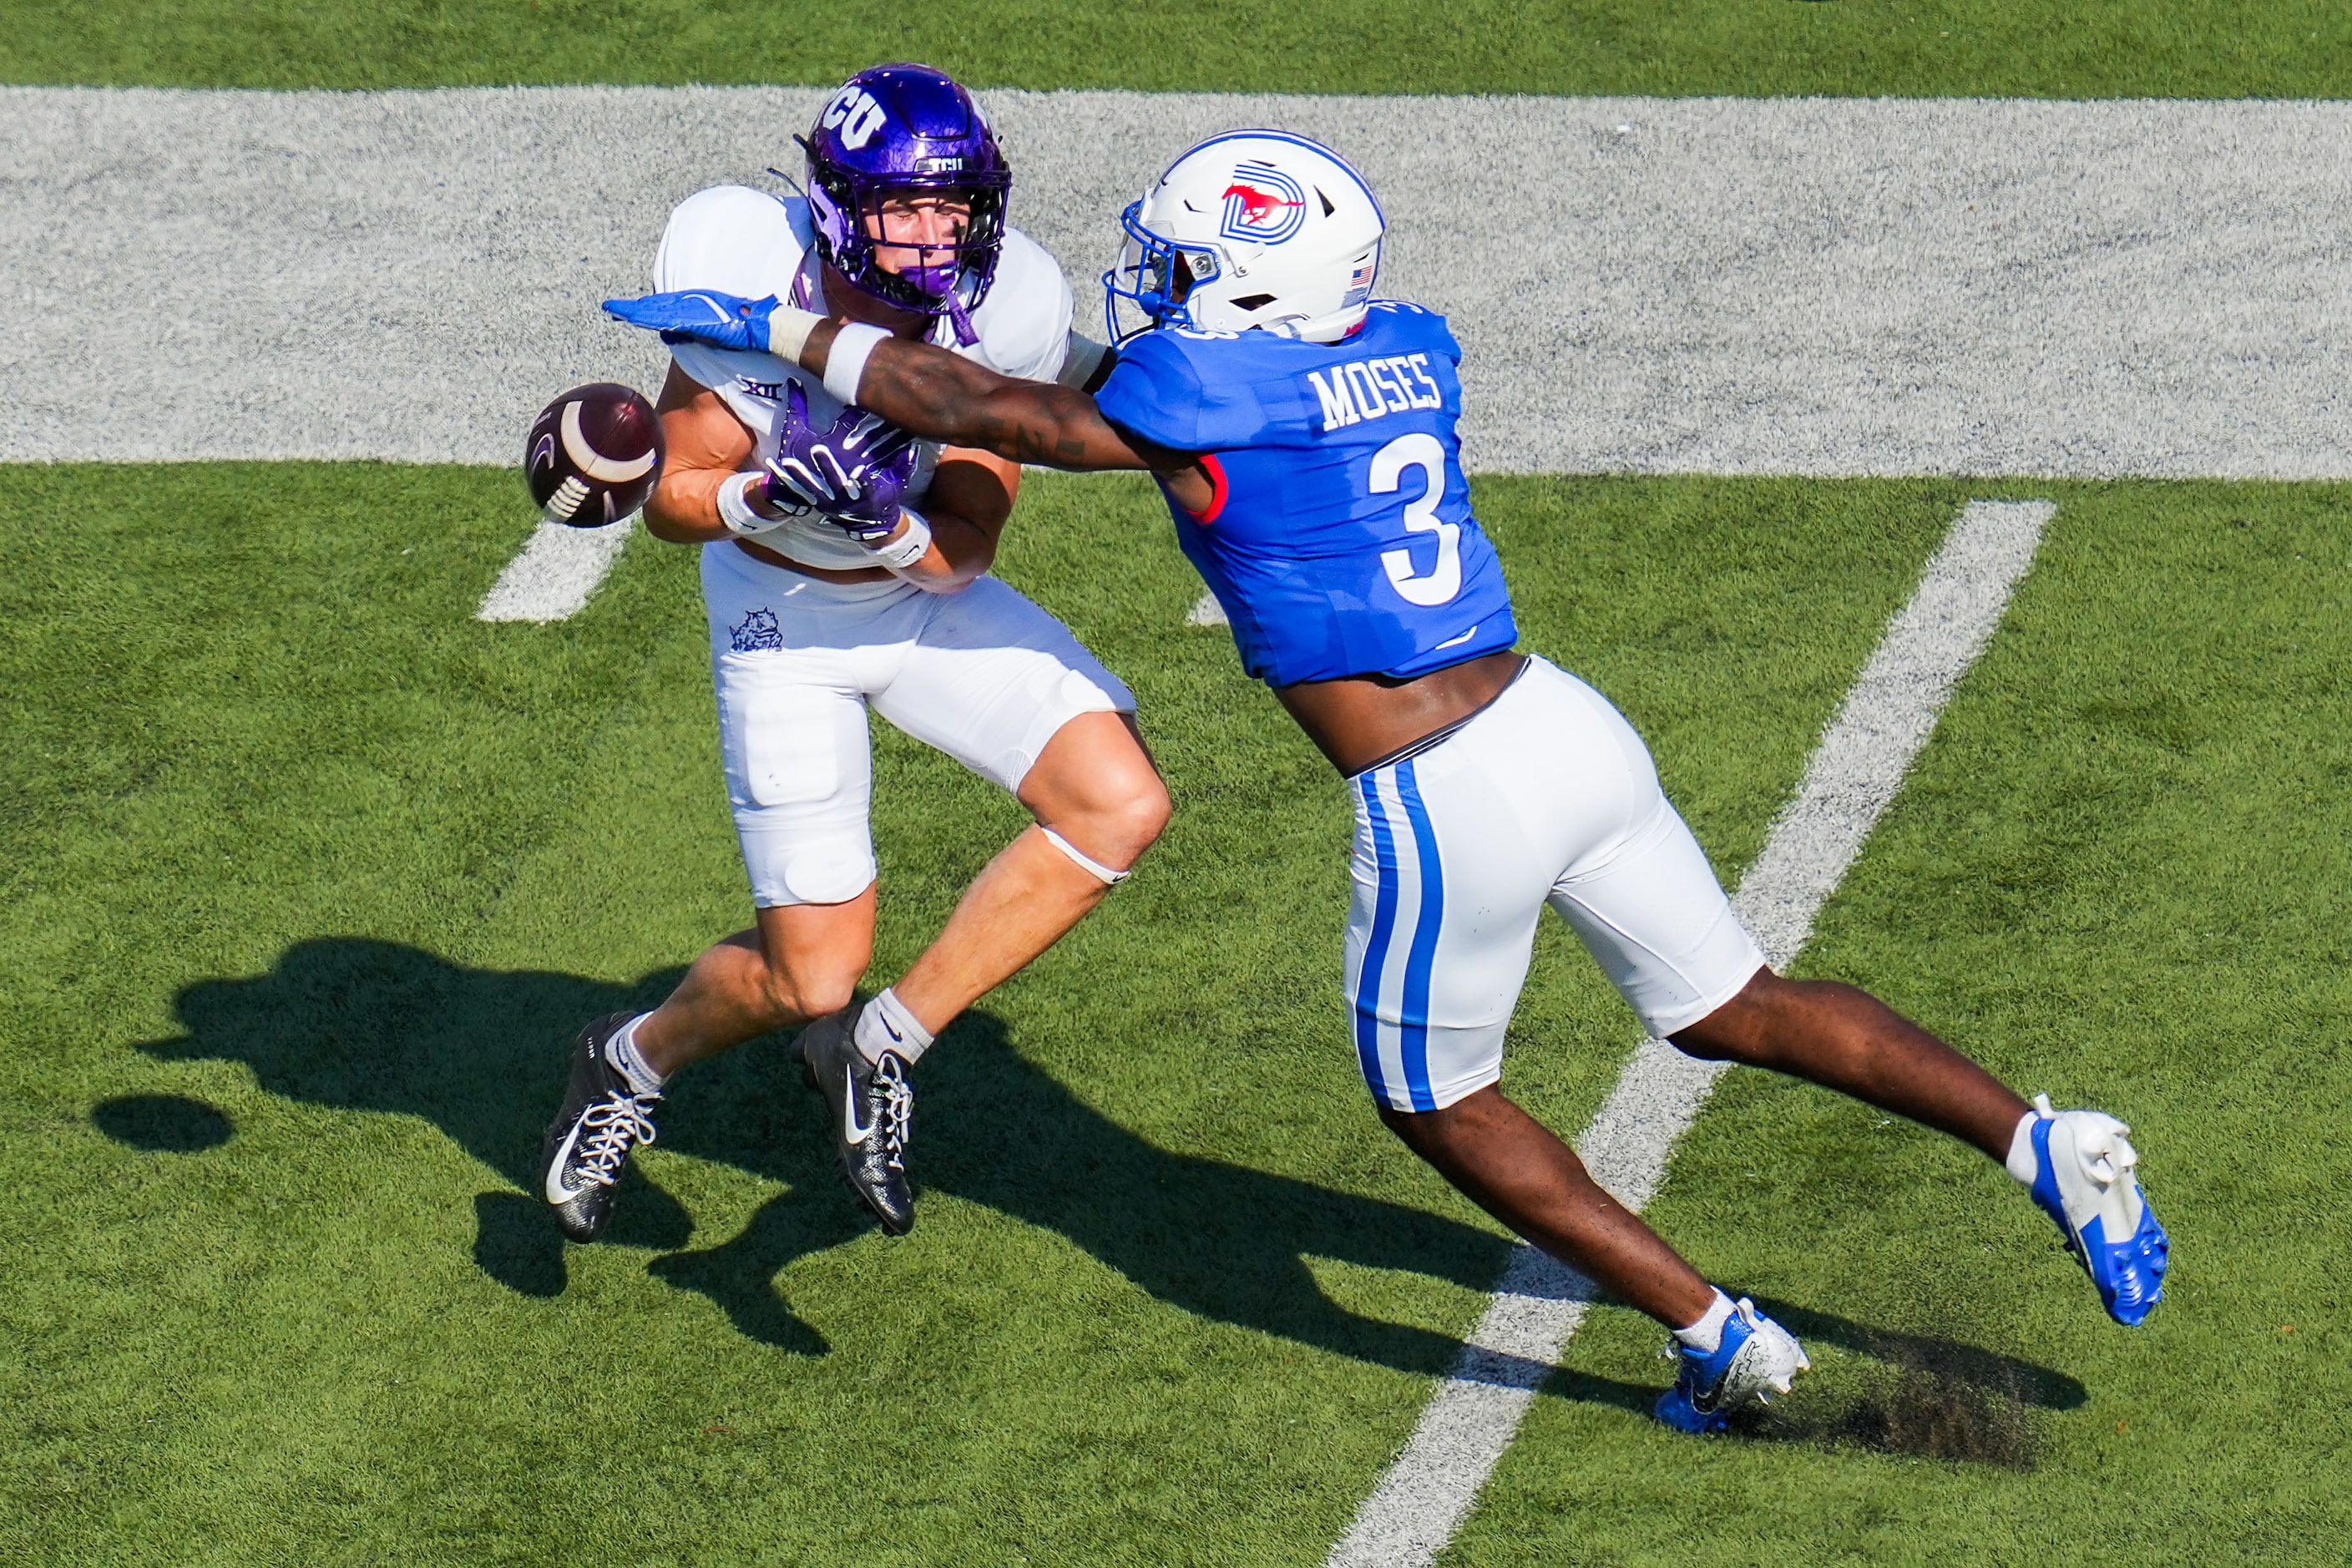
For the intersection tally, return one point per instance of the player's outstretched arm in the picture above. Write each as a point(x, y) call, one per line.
point(946, 397)
point(927, 391)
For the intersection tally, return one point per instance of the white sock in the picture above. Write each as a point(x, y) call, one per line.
point(886, 1025)
point(623, 1049)
point(2020, 1162)
point(1706, 1336)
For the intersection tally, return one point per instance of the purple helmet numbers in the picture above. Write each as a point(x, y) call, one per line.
point(894, 129)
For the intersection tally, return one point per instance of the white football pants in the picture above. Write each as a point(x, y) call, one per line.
point(983, 675)
point(1547, 796)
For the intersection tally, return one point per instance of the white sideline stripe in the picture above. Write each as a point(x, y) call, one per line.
point(1206, 612)
point(1850, 778)
point(551, 579)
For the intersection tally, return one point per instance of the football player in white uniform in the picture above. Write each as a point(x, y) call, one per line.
point(844, 566)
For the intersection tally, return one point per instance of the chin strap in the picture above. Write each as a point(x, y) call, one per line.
point(960, 321)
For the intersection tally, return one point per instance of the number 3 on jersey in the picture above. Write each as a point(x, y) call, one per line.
point(1419, 450)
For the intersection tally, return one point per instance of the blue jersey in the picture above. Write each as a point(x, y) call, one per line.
point(1340, 539)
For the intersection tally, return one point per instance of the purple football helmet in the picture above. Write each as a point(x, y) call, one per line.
point(895, 129)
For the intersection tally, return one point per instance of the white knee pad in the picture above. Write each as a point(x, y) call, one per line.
point(790, 864)
point(1086, 862)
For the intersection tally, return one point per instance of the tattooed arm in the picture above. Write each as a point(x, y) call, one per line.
point(946, 397)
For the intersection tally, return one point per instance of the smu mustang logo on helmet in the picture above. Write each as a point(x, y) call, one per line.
point(1263, 205)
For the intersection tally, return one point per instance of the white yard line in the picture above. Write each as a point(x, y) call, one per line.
point(558, 569)
point(1849, 782)
point(1206, 612)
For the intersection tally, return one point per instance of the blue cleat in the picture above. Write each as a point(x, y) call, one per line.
point(2084, 1179)
point(1756, 1359)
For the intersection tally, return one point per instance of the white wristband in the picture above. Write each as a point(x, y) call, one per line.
point(845, 361)
point(1080, 361)
point(909, 547)
point(788, 330)
point(735, 512)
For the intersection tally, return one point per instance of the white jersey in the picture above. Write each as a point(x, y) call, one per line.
point(742, 241)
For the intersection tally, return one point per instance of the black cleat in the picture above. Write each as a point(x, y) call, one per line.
point(588, 1143)
point(871, 1106)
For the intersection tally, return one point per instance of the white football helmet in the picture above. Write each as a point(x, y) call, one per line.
point(1252, 228)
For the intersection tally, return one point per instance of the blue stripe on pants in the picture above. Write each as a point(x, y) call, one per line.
point(1368, 978)
point(1413, 1035)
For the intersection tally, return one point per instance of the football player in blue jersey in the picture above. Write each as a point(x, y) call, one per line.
point(1304, 435)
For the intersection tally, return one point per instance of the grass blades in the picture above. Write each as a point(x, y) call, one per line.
point(311, 877)
point(2089, 48)
point(2117, 874)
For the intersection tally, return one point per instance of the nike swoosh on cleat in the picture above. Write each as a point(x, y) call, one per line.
point(857, 1135)
point(554, 1191)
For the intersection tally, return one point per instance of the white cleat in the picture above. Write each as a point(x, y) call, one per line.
point(1756, 1360)
point(2084, 1177)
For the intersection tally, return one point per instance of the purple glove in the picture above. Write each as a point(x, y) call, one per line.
point(855, 473)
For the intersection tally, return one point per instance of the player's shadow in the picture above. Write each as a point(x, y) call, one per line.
point(1225, 1241)
point(377, 1027)
point(373, 1025)
point(1915, 1394)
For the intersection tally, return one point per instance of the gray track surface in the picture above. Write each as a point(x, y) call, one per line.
point(1729, 286)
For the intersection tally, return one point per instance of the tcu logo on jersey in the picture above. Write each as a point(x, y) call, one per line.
point(1263, 205)
point(756, 633)
point(855, 116)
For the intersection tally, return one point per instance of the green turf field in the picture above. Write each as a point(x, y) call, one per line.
point(2118, 873)
point(309, 878)
point(312, 876)
point(2079, 49)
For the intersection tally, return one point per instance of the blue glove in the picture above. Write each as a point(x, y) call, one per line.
point(855, 473)
point(700, 316)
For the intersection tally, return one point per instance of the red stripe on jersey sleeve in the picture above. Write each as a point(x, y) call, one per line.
point(1217, 472)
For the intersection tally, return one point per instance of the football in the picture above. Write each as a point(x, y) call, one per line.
point(594, 455)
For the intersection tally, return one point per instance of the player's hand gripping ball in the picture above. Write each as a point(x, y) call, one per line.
point(594, 455)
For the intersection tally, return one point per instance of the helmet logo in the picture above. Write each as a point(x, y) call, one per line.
point(855, 116)
point(1263, 205)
